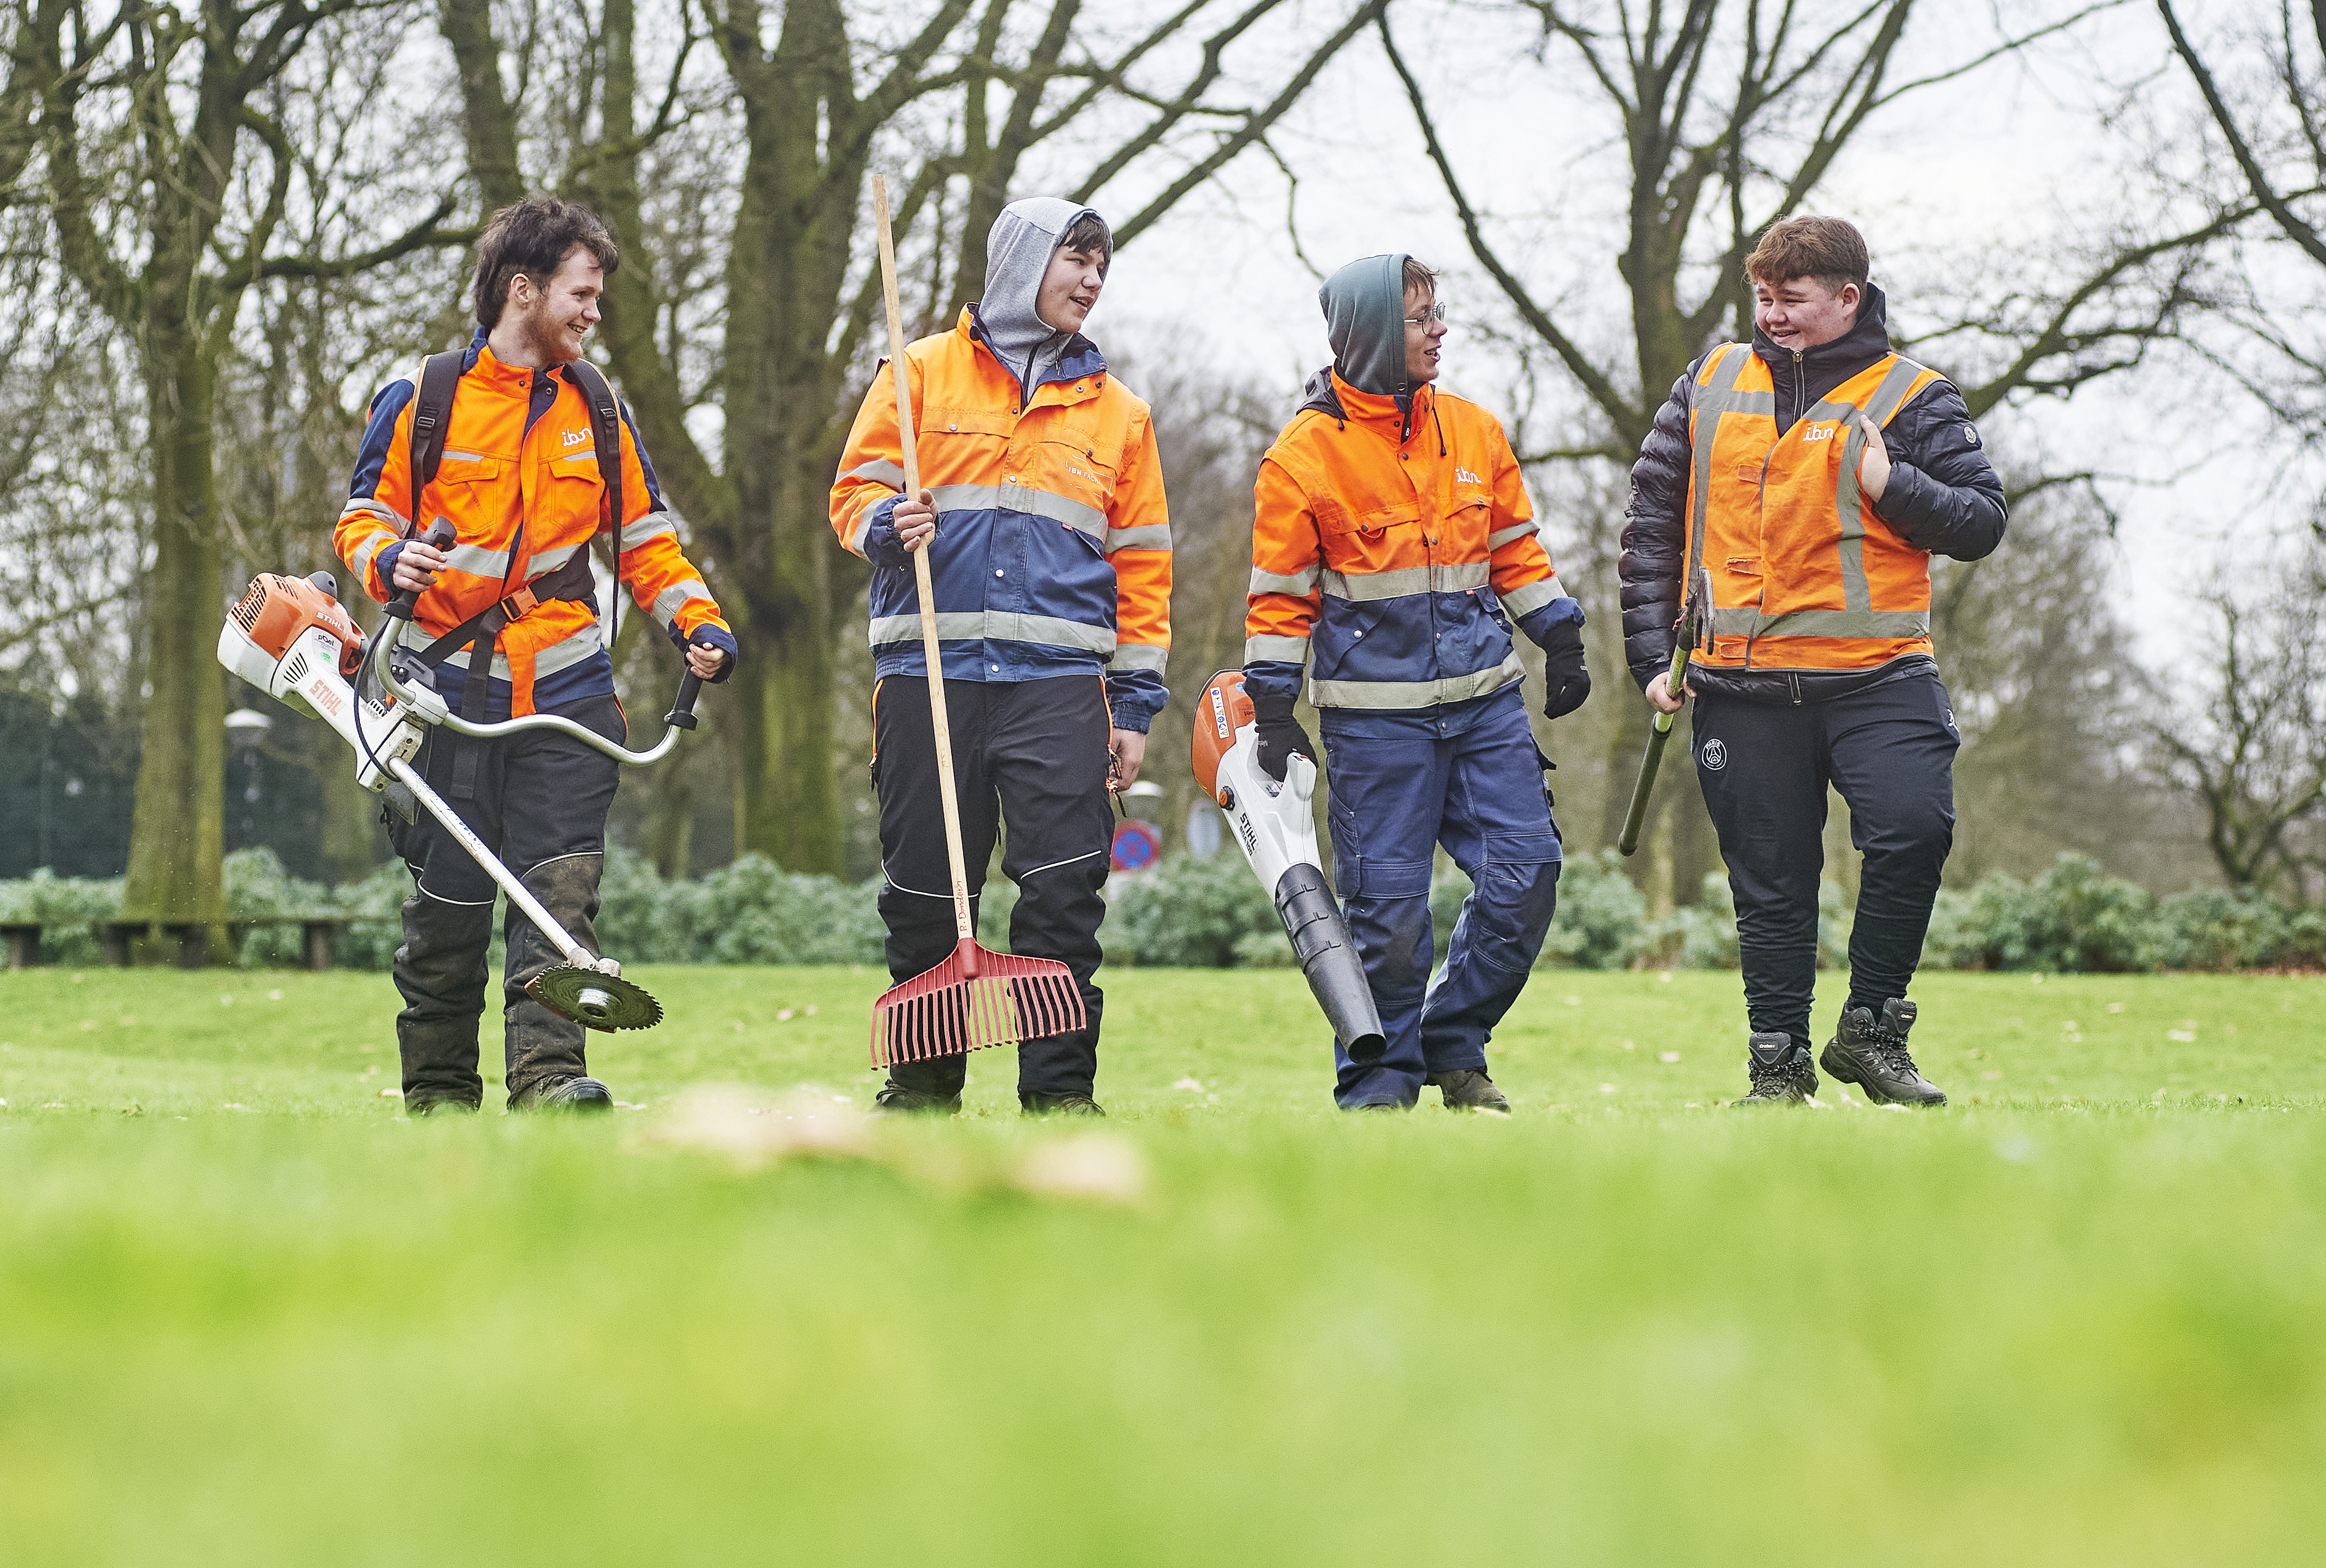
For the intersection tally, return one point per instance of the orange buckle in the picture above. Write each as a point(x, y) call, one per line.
point(519, 605)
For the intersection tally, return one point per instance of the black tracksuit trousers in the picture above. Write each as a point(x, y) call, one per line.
point(539, 802)
point(1890, 751)
point(1031, 755)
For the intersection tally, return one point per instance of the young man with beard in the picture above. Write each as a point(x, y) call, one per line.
point(1050, 555)
point(1806, 480)
point(506, 624)
point(1393, 549)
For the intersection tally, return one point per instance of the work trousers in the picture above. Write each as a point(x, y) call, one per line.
point(538, 800)
point(1481, 794)
point(1764, 769)
point(1029, 760)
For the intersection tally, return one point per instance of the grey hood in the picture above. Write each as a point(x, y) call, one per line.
point(1017, 258)
point(1364, 317)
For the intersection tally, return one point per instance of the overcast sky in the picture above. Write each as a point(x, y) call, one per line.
point(2011, 163)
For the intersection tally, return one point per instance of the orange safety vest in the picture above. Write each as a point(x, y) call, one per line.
point(1805, 576)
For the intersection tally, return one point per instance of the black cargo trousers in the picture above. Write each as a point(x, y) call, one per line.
point(1890, 752)
point(1030, 758)
point(539, 801)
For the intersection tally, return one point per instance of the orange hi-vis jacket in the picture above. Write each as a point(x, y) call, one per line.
point(1805, 576)
point(524, 495)
point(1393, 567)
point(1052, 551)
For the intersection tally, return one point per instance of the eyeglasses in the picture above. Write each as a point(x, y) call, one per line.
point(1436, 313)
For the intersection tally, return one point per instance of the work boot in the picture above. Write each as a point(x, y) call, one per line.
point(1873, 1055)
point(577, 1092)
point(1064, 1105)
point(1469, 1088)
point(444, 1105)
point(896, 1099)
point(1781, 1073)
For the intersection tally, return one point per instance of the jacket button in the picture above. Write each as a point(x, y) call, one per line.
point(952, 427)
point(998, 571)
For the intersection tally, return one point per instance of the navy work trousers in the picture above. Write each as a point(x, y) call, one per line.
point(1480, 794)
point(1030, 757)
point(1889, 750)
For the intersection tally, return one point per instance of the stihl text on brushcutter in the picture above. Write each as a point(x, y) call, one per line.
point(1275, 827)
point(292, 638)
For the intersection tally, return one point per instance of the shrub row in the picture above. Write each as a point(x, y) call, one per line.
point(1211, 915)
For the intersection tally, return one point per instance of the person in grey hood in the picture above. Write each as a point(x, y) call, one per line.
point(1394, 554)
point(1049, 544)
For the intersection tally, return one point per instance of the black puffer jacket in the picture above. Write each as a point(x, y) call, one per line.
point(1942, 496)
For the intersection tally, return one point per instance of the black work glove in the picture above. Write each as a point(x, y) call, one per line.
point(1566, 682)
point(1280, 735)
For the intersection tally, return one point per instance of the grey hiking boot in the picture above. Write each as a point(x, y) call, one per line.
point(1781, 1073)
point(1469, 1088)
point(896, 1099)
point(1064, 1105)
point(1873, 1055)
point(577, 1092)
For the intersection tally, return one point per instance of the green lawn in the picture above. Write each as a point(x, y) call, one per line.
point(250, 1315)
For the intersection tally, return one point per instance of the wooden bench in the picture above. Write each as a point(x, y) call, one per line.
point(24, 943)
point(316, 932)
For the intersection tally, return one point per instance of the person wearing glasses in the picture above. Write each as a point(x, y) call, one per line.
point(1394, 554)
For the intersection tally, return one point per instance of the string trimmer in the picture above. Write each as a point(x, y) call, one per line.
point(977, 998)
point(292, 638)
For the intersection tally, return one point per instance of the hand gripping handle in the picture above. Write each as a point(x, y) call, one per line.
point(438, 536)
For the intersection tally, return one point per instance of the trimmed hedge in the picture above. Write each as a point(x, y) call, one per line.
point(1214, 915)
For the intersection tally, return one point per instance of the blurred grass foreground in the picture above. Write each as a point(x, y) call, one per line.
point(250, 1315)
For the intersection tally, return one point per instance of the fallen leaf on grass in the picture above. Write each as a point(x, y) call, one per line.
point(1193, 1085)
point(2182, 1035)
point(391, 1094)
point(1668, 1056)
point(1088, 1167)
point(807, 1123)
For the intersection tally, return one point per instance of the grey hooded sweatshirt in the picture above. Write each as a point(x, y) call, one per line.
point(1017, 258)
point(1365, 320)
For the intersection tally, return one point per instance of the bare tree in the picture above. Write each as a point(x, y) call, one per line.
point(1731, 115)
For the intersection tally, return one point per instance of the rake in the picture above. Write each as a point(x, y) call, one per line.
point(976, 998)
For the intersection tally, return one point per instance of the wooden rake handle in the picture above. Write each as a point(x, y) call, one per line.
point(931, 658)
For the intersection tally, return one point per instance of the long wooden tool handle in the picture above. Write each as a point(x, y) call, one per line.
point(930, 655)
point(1675, 684)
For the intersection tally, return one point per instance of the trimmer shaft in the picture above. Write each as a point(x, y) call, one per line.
point(594, 999)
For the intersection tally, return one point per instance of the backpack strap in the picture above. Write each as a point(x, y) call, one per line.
point(606, 429)
point(431, 415)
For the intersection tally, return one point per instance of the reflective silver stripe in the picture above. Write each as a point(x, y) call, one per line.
point(1725, 402)
point(1155, 536)
point(548, 561)
point(1022, 498)
point(1364, 587)
point(1415, 693)
point(1727, 369)
point(1139, 657)
point(1529, 598)
point(563, 655)
point(460, 456)
point(1302, 582)
point(1849, 510)
point(1748, 622)
point(1277, 650)
point(997, 625)
point(365, 505)
point(1501, 536)
point(653, 525)
point(476, 561)
point(880, 471)
point(673, 600)
point(368, 549)
point(855, 540)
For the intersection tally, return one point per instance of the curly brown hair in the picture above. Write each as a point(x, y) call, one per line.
point(534, 236)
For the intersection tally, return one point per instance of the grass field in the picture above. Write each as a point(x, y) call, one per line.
point(250, 1315)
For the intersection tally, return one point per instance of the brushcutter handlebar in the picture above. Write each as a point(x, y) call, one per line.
point(438, 537)
point(682, 712)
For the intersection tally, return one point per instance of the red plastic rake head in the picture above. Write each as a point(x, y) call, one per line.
point(975, 998)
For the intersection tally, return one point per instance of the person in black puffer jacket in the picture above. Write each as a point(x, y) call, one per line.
point(1823, 470)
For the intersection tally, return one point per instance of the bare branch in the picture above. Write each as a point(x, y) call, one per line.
point(2286, 219)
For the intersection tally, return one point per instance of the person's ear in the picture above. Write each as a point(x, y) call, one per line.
point(1851, 296)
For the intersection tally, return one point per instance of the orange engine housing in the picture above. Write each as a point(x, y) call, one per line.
point(1220, 713)
point(278, 610)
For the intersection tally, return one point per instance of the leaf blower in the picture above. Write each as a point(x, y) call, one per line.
point(292, 638)
point(1275, 827)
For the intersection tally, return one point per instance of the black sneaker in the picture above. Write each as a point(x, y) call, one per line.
point(575, 1093)
point(1469, 1088)
point(896, 1099)
point(1781, 1073)
point(1064, 1105)
point(1873, 1055)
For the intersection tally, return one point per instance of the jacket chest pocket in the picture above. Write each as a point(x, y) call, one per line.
point(1371, 540)
point(1077, 458)
point(957, 446)
point(467, 489)
point(574, 497)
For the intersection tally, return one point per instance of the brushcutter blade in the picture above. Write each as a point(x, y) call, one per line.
point(594, 999)
point(975, 998)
